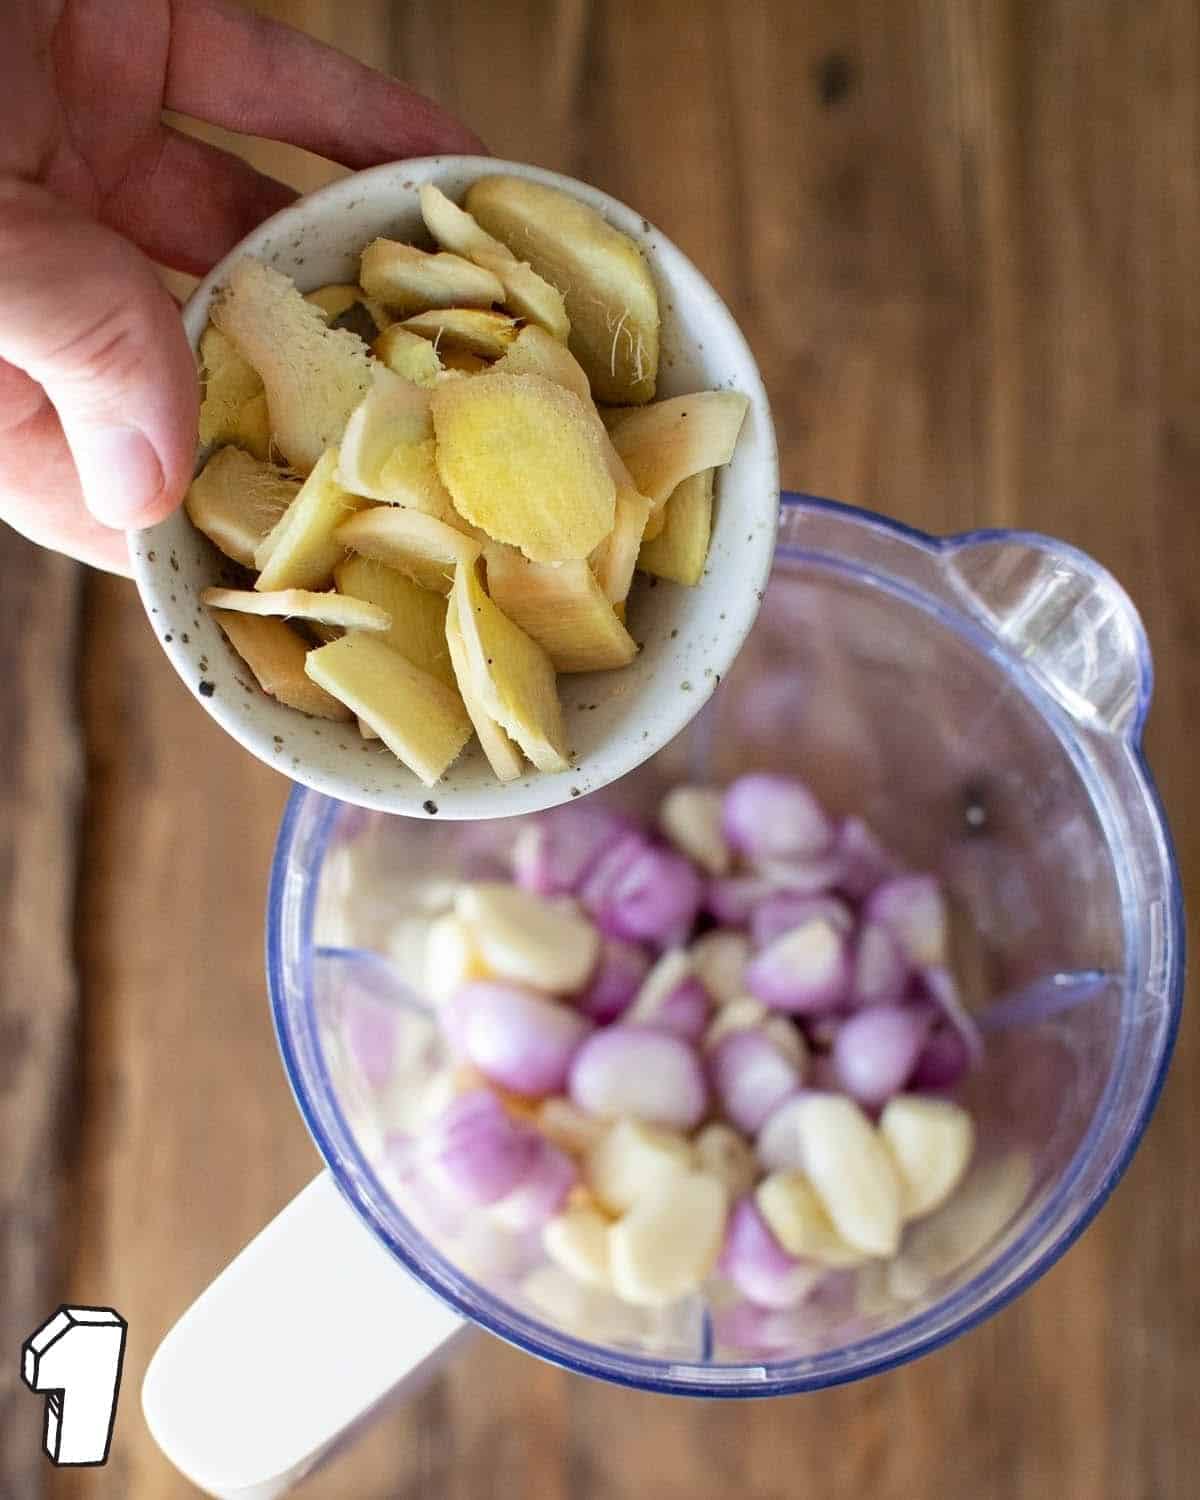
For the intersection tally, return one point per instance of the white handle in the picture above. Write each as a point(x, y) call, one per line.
point(292, 1345)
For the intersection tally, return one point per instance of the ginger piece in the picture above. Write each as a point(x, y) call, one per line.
point(407, 354)
point(419, 546)
point(236, 499)
point(562, 607)
point(394, 413)
point(228, 383)
point(464, 330)
point(421, 720)
point(526, 293)
point(275, 655)
point(314, 376)
point(408, 280)
point(410, 477)
point(502, 755)
point(252, 430)
point(664, 444)
point(418, 616)
point(679, 552)
point(655, 522)
point(523, 461)
point(615, 559)
point(300, 551)
point(609, 293)
point(515, 676)
point(535, 352)
point(329, 608)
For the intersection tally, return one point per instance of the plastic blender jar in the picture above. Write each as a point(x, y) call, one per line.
point(980, 701)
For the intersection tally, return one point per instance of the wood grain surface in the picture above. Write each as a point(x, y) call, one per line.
point(962, 238)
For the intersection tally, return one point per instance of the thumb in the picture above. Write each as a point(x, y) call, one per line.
point(84, 314)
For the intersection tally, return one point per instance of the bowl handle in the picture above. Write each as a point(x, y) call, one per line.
point(294, 1344)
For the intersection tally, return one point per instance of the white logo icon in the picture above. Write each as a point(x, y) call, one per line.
point(74, 1359)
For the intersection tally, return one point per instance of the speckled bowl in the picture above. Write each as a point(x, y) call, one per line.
point(689, 637)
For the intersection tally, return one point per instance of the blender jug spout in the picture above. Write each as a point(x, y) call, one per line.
point(1065, 618)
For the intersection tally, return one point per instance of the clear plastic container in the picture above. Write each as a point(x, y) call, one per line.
point(980, 701)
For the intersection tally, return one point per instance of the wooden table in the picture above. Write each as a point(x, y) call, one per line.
point(962, 236)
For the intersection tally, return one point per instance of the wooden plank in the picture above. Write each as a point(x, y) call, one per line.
point(961, 239)
point(39, 811)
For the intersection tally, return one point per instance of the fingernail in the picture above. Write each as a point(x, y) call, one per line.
point(119, 472)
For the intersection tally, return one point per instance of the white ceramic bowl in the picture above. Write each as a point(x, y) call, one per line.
point(689, 637)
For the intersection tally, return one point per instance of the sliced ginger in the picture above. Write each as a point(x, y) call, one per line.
point(408, 280)
point(329, 608)
point(515, 676)
point(610, 295)
point(655, 522)
point(236, 499)
point(394, 413)
point(252, 430)
point(563, 608)
point(615, 559)
point(526, 293)
point(229, 382)
point(300, 551)
point(314, 375)
point(419, 718)
point(387, 450)
point(502, 755)
point(408, 354)
point(523, 461)
point(476, 426)
point(419, 546)
point(680, 550)
point(535, 352)
point(275, 654)
point(664, 444)
point(418, 616)
point(465, 330)
point(410, 477)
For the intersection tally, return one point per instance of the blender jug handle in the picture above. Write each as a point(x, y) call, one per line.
point(299, 1339)
point(1066, 619)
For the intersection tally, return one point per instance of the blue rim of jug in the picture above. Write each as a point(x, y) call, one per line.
point(963, 1310)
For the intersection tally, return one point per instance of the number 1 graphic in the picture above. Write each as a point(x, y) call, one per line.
point(74, 1359)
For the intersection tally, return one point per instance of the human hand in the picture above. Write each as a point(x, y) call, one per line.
point(97, 382)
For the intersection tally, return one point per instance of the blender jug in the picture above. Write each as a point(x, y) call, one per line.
point(979, 701)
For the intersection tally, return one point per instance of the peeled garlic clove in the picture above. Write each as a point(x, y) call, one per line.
point(690, 816)
point(719, 1149)
point(931, 1141)
point(719, 960)
point(525, 939)
point(852, 1171)
point(671, 998)
point(633, 1161)
point(798, 1219)
point(742, 1014)
point(452, 958)
point(577, 1240)
point(665, 1247)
